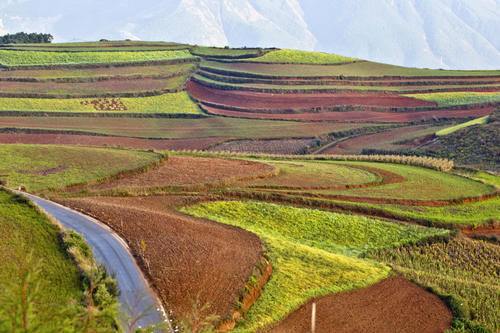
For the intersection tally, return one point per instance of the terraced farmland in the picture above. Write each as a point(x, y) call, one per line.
point(250, 211)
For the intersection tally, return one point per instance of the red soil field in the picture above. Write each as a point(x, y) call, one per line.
point(392, 305)
point(91, 140)
point(187, 170)
point(383, 140)
point(358, 116)
point(255, 100)
point(187, 256)
point(90, 72)
point(488, 231)
point(85, 88)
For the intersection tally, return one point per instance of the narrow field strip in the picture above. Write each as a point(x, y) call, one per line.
point(174, 103)
point(35, 58)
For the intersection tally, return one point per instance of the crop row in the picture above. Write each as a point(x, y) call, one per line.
point(458, 98)
point(301, 57)
point(40, 58)
point(175, 103)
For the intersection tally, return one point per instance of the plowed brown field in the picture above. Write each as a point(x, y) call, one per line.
point(255, 100)
point(393, 305)
point(187, 170)
point(359, 116)
point(187, 256)
point(95, 140)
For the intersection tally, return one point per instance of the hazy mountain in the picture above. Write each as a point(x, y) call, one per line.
point(422, 33)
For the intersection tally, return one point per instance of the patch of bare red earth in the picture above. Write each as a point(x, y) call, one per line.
point(93, 140)
point(257, 100)
point(184, 256)
point(358, 116)
point(187, 170)
point(488, 231)
point(392, 305)
point(383, 140)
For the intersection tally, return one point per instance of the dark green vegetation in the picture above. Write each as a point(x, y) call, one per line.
point(303, 243)
point(477, 145)
point(46, 274)
point(42, 167)
point(23, 38)
point(467, 269)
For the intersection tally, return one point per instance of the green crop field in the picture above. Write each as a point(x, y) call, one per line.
point(174, 103)
point(464, 268)
point(125, 71)
point(225, 52)
point(315, 174)
point(29, 241)
point(420, 184)
point(34, 58)
point(449, 130)
point(313, 252)
point(459, 98)
point(300, 57)
point(40, 167)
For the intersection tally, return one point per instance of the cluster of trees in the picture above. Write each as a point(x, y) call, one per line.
point(22, 37)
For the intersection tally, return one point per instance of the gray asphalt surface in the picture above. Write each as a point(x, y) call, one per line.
point(114, 253)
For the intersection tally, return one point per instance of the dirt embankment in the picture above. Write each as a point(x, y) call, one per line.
point(182, 255)
point(393, 305)
point(182, 171)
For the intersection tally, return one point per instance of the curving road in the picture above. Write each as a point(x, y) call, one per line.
point(114, 253)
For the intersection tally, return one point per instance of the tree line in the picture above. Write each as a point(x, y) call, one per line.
point(25, 38)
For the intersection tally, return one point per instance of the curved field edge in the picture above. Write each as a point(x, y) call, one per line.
point(464, 271)
point(306, 262)
point(47, 272)
point(42, 167)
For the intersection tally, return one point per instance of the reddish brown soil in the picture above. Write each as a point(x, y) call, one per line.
point(85, 88)
point(357, 144)
point(283, 146)
point(187, 170)
point(392, 305)
point(359, 116)
point(90, 140)
point(187, 256)
point(255, 100)
point(483, 231)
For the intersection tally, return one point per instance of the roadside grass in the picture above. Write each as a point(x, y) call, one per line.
point(315, 174)
point(449, 130)
point(357, 69)
point(421, 184)
point(125, 71)
point(39, 167)
point(313, 252)
point(174, 103)
point(29, 238)
point(467, 269)
point(301, 57)
point(459, 98)
point(34, 58)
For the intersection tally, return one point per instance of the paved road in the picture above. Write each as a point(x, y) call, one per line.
point(114, 253)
